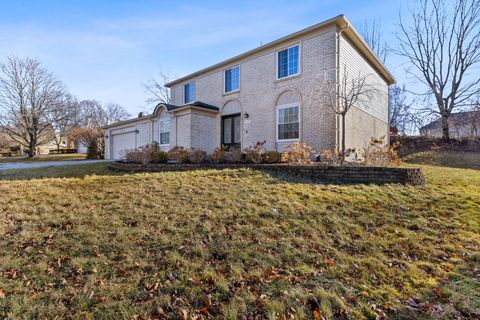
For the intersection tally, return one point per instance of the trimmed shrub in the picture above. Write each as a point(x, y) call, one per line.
point(298, 153)
point(160, 157)
point(272, 156)
point(197, 156)
point(255, 154)
point(219, 154)
point(178, 154)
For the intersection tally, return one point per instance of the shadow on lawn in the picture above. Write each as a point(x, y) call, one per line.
point(68, 171)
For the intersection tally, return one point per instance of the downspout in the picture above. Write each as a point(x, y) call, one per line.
point(337, 62)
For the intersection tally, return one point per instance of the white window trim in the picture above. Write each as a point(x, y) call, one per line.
point(194, 91)
point(239, 79)
point(299, 62)
point(284, 106)
point(160, 132)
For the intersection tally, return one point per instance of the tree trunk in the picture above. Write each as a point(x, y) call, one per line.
point(343, 137)
point(445, 128)
point(31, 148)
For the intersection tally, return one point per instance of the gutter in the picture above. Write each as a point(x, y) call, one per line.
point(337, 62)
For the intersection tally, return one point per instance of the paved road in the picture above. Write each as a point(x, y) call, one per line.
point(40, 164)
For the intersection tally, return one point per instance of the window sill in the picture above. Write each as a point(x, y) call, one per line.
point(231, 92)
point(293, 76)
point(164, 145)
point(288, 140)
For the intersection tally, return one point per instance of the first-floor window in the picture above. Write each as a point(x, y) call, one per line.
point(165, 131)
point(288, 123)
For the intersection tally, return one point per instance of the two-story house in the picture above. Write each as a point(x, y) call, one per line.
point(270, 93)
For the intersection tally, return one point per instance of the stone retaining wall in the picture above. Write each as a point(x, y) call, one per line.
point(331, 174)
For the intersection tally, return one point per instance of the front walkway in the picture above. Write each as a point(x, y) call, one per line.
point(40, 164)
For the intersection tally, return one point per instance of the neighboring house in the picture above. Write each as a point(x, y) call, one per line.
point(461, 125)
point(269, 93)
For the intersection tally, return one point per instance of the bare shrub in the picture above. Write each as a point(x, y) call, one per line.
point(178, 154)
point(219, 154)
point(237, 155)
point(255, 154)
point(380, 153)
point(331, 157)
point(143, 155)
point(298, 153)
point(197, 156)
point(272, 156)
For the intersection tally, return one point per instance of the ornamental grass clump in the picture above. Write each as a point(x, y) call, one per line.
point(219, 154)
point(197, 156)
point(255, 154)
point(179, 154)
point(380, 153)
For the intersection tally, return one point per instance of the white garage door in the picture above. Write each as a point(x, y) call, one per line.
point(121, 142)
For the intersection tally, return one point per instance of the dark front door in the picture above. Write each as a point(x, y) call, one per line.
point(231, 130)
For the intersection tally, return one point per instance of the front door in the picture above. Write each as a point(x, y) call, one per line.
point(231, 131)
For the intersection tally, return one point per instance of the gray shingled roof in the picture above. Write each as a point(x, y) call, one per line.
point(460, 117)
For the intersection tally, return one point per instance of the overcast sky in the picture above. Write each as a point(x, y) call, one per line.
point(105, 50)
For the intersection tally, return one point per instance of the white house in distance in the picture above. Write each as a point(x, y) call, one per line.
point(269, 93)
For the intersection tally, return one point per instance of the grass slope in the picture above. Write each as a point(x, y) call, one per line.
point(45, 157)
point(81, 242)
point(469, 160)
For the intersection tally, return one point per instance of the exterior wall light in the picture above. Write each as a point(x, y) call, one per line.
point(136, 131)
point(246, 115)
point(106, 136)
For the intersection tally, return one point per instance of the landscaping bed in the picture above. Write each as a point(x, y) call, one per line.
point(321, 173)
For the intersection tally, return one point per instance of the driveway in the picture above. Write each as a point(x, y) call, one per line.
point(41, 164)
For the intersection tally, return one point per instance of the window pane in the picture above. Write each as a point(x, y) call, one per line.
point(227, 130)
point(235, 78)
point(232, 79)
point(236, 127)
point(165, 138)
point(283, 63)
point(228, 80)
point(189, 92)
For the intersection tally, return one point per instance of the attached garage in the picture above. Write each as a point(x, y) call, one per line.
point(191, 126)
point(122, 141)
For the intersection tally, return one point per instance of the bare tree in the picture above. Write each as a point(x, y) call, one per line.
point(340, 96)
point(473, 120)
point(28, 92)
point(442, 47)
point(113, 112)
point(400, 109)
point(63, 117)
point(91, 114)
point(372, 34)
point(156, 89)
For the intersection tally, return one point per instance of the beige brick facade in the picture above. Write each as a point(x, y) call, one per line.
point(260, 93)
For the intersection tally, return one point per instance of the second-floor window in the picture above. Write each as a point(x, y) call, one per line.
point(165, 131)
point(189, 92)
point(287, 61)
point(232, 79)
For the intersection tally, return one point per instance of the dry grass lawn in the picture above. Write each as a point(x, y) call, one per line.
point(81, 242)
